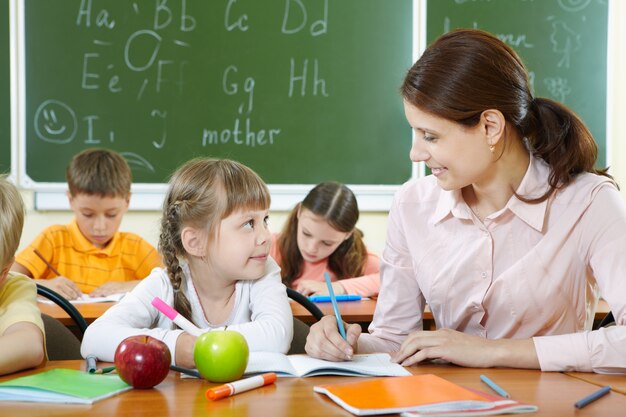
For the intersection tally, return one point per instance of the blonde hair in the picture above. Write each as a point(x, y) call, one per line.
point(11, 221)
point(101, 172)
point(201, 193)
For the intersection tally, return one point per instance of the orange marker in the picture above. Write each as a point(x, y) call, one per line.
point(242, 385)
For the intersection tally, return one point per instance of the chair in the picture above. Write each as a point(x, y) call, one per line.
point(68, 307)
point(301, 329)
point(61, 343)
point(300, 333)
point(306, 303)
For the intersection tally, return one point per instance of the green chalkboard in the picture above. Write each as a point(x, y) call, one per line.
point(562, 42)
point(5, 90)
point(299, 90)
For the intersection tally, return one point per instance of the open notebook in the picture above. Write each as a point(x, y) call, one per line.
point(418, 395)
point(87, 299)
point(304, 365)
point(62, 386)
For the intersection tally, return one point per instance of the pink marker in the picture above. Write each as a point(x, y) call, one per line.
point(173, 315)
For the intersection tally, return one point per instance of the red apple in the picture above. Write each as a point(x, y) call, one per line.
point(221, 355)
point(142, 361)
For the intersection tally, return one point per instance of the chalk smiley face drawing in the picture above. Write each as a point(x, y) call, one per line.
point(55, 122)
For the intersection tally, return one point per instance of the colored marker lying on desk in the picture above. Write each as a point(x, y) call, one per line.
point(105, 370)
point(186, 371)
point(494, 386)
point(342, 297)
point(173, 315)
point(242, 385)
point(90, 363)
point(592, 397)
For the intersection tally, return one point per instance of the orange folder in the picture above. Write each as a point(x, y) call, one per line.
point(424, 394)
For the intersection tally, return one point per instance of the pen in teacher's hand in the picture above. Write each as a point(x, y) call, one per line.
point(494, 386)
point(592, 397)
point(333, 300)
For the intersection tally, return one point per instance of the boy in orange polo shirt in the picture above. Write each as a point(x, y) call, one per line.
point(90, 255)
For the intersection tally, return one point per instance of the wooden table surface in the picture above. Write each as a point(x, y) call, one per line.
point(554, 393)
point(351, 311)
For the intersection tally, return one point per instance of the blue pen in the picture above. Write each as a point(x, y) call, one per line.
point(591, 398)
point(342, 297)
point(335, 306)
point(494, 386)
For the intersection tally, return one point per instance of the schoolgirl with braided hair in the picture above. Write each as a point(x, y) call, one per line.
point(215, 245)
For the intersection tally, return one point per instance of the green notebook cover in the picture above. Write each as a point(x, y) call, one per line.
point(62, 386)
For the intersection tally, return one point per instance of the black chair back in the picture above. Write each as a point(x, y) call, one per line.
point(306, 303)
point(68, 307)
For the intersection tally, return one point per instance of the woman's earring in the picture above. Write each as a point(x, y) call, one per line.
point(491, 148)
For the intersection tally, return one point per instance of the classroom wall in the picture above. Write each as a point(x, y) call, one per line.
point(373, 224)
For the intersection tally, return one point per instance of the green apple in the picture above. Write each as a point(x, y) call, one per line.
point(221, 355)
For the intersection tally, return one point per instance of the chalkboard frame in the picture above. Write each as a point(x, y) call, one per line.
point(148, 196)
point(11, 170)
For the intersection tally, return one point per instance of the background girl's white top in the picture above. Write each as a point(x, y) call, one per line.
point(261, 314)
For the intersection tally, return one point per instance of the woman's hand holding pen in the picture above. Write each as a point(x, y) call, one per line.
point(325, 342)
point(64, 286)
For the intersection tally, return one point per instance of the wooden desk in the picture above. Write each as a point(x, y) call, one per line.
point(351, 311)
point(89, 311)
point(617, 382)
point(360, 311)
point(554, 393)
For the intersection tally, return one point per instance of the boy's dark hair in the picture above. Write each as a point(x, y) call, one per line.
point(101, 172)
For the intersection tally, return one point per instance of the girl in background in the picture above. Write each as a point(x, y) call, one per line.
point(215, 245)
point(320, 236)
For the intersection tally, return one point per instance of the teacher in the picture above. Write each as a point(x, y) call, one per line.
point(510, 241)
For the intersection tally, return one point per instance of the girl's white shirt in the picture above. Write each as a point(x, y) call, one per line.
point(261, 314)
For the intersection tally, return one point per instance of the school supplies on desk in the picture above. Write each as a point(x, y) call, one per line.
point(87, 299)
point(186, 372)
point(497, 388)
point(105, 370)
point(173, 315)
point(303, 365)
point(418, 395)
point(243, 385)
point(91, 363)
point(327, 299)
point(67, 386)
point(593, 397)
